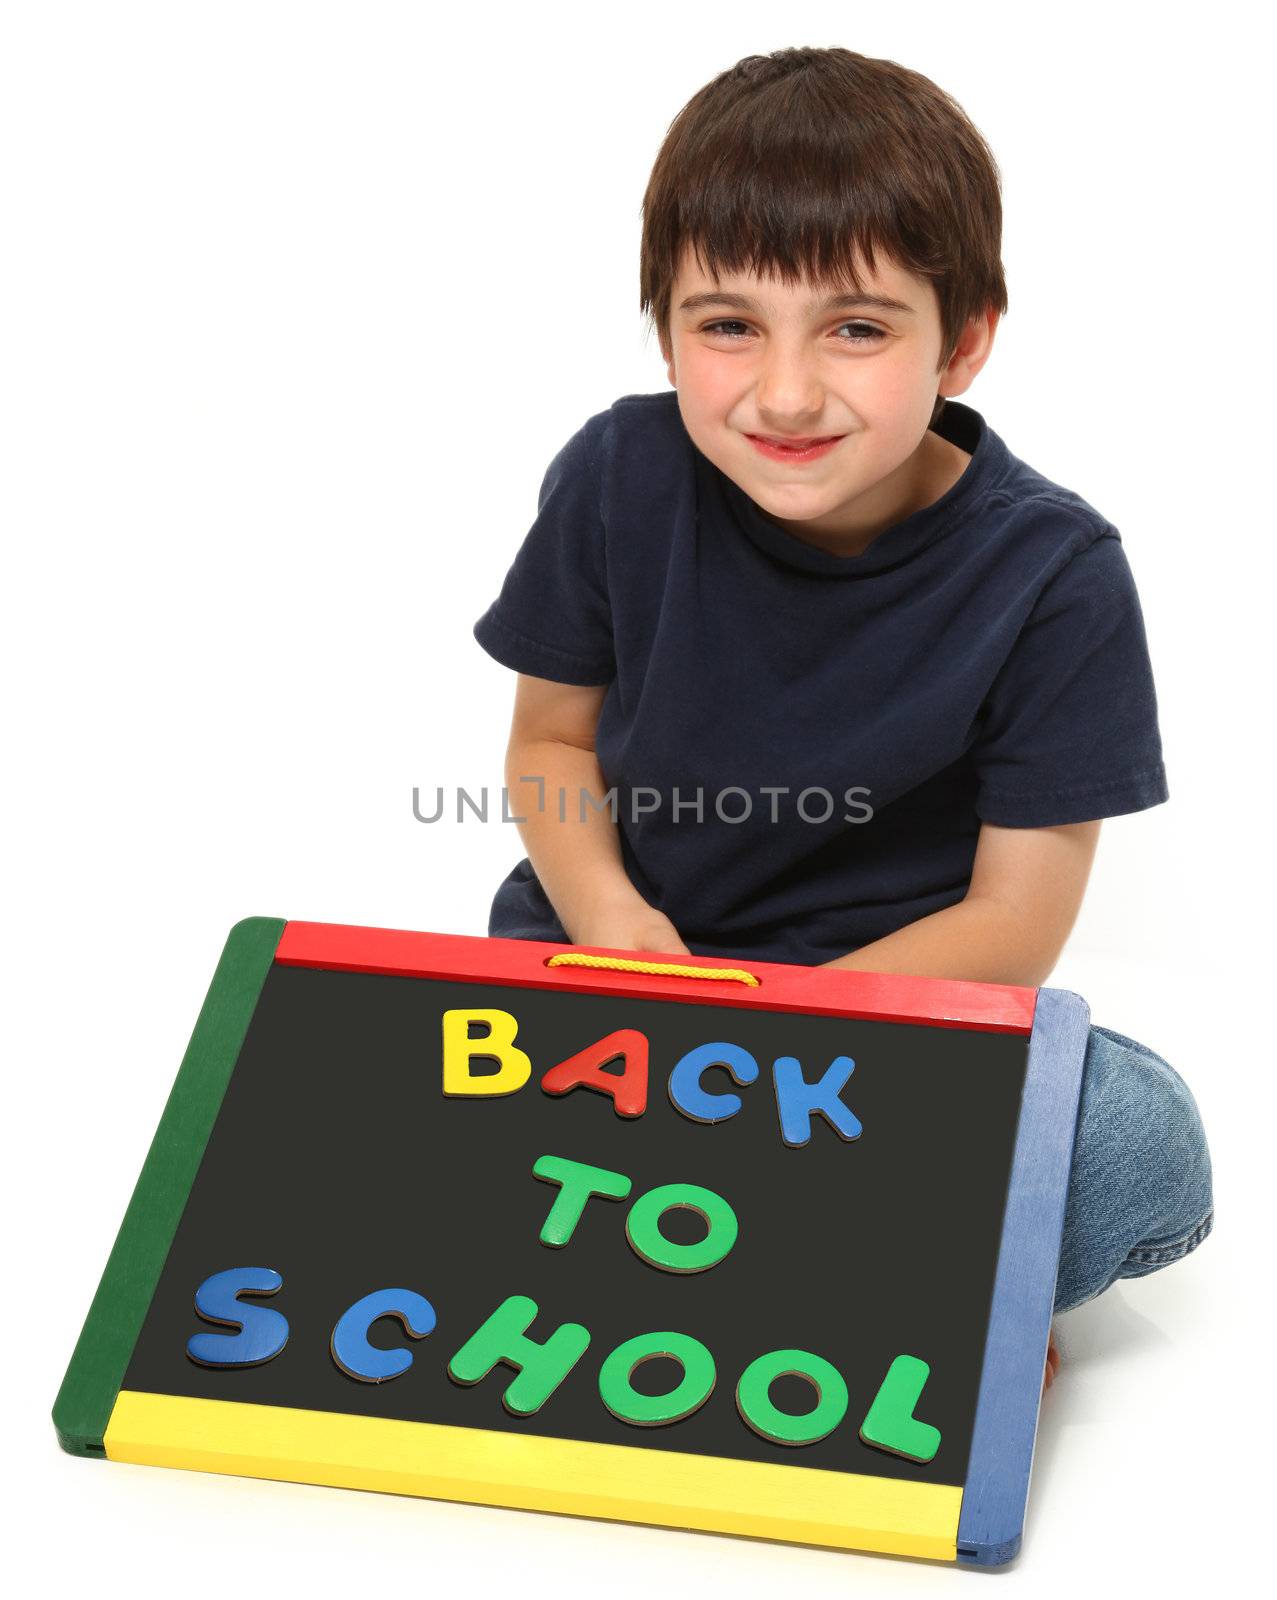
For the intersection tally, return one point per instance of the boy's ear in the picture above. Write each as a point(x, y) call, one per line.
point(667, 356)
point(972, 351)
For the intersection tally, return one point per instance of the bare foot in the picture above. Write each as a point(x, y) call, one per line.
point(1052, 1361)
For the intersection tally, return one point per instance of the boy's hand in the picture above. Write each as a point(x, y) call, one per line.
point(627, 924)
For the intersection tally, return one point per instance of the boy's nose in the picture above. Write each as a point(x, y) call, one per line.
point(789, 393)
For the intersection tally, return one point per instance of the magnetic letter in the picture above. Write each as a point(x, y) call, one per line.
point(685, 1081)
point(798, 1101)
point(349, 1345)
point(459, 1049)
point(753, 1397)
point(261, 1333)
point(647, 1240)
point(542, 1367)
point(578, 1182)
point(628, 1089)
point(651, 1410)
point(890, 1423)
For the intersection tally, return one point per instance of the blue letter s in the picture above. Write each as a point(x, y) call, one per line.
point(260, 1333)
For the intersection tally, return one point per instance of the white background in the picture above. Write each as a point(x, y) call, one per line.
point(298, 302)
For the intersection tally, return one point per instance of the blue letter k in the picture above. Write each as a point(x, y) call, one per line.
point(798, 1101)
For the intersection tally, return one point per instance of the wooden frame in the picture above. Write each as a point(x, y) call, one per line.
point(979, 1521)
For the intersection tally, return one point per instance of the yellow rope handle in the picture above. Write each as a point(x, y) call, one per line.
point(665, 969)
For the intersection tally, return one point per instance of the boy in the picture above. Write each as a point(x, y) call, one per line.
point(810, 571)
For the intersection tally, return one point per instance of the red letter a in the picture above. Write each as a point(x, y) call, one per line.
point(585, 1070)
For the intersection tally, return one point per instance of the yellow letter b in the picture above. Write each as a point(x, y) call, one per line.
point(459, 1050)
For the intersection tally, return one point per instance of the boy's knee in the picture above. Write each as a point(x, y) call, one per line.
point(1136, 1104)
point(1140, 1192)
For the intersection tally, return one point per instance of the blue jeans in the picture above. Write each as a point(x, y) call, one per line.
point(1140, 1187)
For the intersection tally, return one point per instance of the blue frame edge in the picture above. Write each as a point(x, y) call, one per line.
point(996, 1491)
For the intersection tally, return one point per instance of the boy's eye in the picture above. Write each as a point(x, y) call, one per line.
point(722, 327)
point(861, 332)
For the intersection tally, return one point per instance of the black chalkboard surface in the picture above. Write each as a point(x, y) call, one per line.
point(337, 1161)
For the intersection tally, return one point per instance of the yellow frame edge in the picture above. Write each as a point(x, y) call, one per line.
point(799, 1505)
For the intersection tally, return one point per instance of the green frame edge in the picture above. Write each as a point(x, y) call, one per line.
point(101, 1356)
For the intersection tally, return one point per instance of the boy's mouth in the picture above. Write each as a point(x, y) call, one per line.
point(780, 449)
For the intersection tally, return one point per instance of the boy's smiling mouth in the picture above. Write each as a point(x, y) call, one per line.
point(780, 449)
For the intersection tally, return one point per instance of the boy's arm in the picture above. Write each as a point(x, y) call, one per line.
point(577, 859)
point(1026, 890)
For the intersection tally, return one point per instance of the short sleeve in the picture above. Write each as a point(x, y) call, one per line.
point(1069, 731)
point(552, 618)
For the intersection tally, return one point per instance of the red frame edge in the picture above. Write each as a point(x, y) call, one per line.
point(520, 963)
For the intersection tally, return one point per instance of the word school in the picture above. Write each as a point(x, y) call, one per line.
point(259, 1333)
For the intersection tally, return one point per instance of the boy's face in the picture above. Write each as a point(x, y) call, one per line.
point(752, 357)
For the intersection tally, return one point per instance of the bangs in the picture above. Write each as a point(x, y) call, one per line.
point(823, 249)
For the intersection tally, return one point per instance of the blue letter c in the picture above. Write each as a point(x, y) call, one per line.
point(359, 1359)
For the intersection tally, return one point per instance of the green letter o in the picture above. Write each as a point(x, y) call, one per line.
point(649, 1410)
point(754, 1400)
point(648, 1241)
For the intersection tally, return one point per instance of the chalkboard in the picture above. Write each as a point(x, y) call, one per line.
point(892, 1236)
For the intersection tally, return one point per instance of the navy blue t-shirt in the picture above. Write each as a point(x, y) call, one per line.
point(843, 722)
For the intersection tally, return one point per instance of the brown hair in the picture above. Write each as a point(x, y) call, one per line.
point(801, 162)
